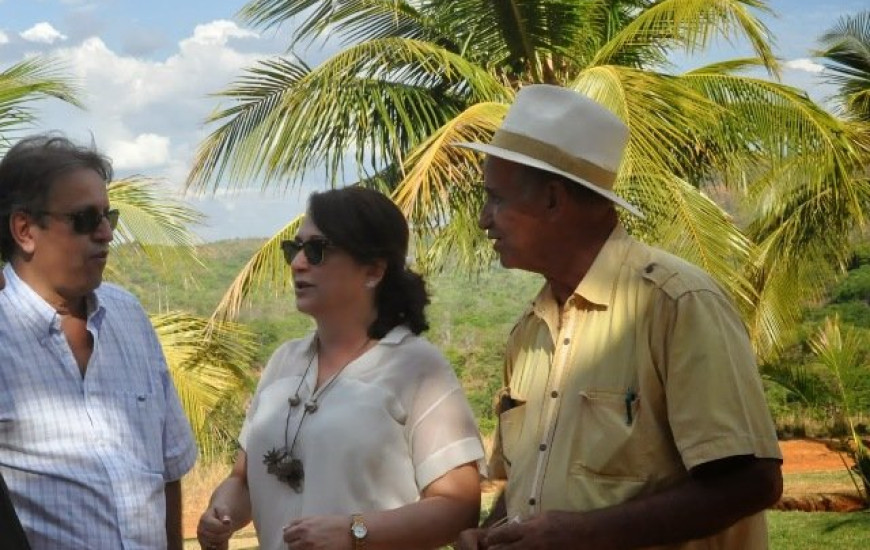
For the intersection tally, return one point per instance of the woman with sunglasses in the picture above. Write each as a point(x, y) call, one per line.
point(359, 435)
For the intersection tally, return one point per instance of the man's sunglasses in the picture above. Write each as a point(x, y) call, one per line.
point(87, 220)
point(314, 249)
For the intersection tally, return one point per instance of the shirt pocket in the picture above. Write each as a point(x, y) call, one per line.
point(510, 431)
point(607, 442)
point(134, 424)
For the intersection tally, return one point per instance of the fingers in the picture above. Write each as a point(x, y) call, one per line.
point(471, 539)
point(214, 529)
point(506, 534)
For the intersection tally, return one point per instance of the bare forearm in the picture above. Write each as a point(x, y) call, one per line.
point(234, 497)
point(174, 538)
point(694, 509)
point(429, 523)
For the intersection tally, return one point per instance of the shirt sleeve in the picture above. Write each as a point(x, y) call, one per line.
point(442, 431)
point(179, 447)
point(715, 400)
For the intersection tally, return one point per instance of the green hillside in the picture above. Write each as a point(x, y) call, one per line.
point(471, 316)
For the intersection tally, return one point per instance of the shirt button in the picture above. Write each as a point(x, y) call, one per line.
point(543, 446)
point(531, 502)
point(554, 394)
point(566, 341)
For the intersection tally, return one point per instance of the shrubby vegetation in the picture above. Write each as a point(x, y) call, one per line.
point(471, 316)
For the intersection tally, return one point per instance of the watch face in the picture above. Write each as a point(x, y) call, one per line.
point(359, 530)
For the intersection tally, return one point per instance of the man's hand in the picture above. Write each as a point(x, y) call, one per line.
point(471, 539)
point(549, 531)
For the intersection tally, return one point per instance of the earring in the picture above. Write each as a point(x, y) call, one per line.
point(371, 283)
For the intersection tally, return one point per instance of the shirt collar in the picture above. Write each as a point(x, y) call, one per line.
point(396, 335)
point(596, 287)
point(35, 311)
point(393, 338)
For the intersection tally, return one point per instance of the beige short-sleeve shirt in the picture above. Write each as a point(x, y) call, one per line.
point(646, 372)
point(393, 421)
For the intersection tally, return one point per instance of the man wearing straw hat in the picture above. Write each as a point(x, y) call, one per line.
point(633, 414)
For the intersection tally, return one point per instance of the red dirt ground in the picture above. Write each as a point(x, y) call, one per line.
point(808, 455)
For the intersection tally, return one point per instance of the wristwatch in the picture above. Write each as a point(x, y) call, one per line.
point(358, 532)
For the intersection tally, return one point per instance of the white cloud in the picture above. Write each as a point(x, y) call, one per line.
point(144, 151)
point(4, 38)
point(147, 114)
point(217, 33)
point(43, 33)
point(804, 64)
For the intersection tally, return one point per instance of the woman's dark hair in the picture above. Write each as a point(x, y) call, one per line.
point(370, 227)
point(28, 171)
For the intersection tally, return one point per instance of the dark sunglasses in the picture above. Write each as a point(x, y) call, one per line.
point(314, 249)
point(87, 220)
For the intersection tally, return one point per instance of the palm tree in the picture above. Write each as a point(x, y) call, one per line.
point(838, 351)
point(415, 76)
point(847, 61)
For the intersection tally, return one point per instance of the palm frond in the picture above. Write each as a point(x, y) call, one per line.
point(27, 82)
point(846, 56)
point(153, 222)
point(257, 95)
point(726, 67)
point(393, 92)
point(267, 264)
point(692, 25)
point(686, 222)
point(664, 115)
point(351, 19)
point(436, 168)
point(208, 363)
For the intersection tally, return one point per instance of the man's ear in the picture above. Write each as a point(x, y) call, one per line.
point(556, 197)
point(21, 226)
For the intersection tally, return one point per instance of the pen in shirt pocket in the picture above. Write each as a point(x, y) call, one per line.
point(630, 398)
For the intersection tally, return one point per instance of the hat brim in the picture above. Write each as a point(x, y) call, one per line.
point(526, 160)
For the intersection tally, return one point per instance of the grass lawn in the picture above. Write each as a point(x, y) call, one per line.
point(819, 530)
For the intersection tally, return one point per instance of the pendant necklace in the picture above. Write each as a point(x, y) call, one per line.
point(281, 462)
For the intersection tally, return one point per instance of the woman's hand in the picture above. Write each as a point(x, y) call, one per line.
point(319, 533)
point(215, 529)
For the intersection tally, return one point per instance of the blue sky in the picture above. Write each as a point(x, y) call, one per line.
point(147, 67)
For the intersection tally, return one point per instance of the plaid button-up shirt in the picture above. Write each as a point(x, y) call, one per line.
point(87, 458)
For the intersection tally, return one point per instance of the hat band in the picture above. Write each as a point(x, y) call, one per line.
point(555, 157)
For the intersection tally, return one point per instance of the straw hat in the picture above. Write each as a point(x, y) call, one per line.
point(560, 131)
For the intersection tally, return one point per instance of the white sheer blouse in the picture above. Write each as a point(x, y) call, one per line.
point(393, 421)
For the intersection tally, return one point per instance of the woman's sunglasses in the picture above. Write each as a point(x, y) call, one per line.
point(87, 220)
point(314, 249)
